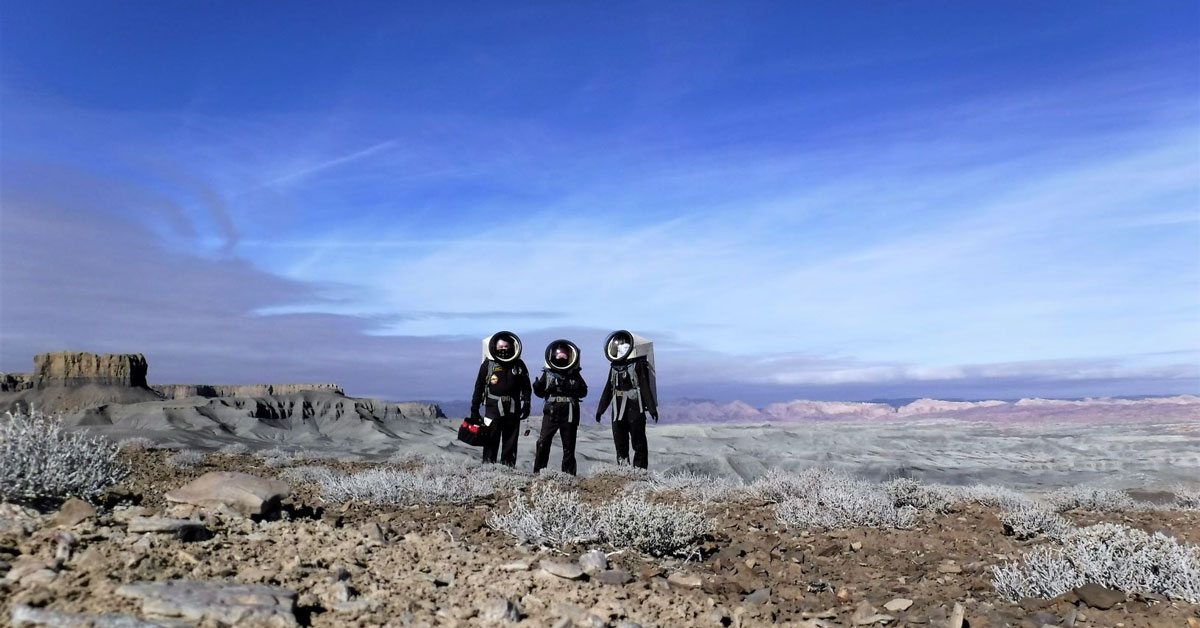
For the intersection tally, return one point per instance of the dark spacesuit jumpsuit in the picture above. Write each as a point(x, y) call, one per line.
point(503, 389)
point(629, 391)
point(562, 391)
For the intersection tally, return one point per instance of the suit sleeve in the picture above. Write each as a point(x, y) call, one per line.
point(581, 390)
point(526, 390)
point(477, 396)
point(539, 386)
point(605, 397)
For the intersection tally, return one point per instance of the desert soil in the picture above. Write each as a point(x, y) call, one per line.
point(364, 565)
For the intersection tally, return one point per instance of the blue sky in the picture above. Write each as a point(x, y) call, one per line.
point(828, 200)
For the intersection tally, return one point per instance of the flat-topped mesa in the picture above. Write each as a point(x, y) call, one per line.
point(183, 391)
point(74, 368)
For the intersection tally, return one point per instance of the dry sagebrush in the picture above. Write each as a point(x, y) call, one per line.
point(386, 485)
point(1112, 555)
point(830, 499)
point(186, 459)
point(137, 443)
point(548, 517)
point(552, 517)
point(40, 462)
point(692, 486)
point(1030, 520)
point(629, 521)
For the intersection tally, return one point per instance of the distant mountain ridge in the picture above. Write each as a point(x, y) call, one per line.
point(710, 411)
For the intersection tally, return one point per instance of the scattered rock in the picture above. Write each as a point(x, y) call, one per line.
point(1099, 596)
point(897, 605)
point(857, 545)
point(23, 615)
point(570, 571)
point(373, 531)
point(30, 570)
point(73, 512)
point(64, 542)
point(613, 576)
point(761, 596)
point(956, 616)
point(198, 601)
point(516, 565)
point(865, 615)
point(684, 580)
point(247, 494)
point(593, 562)
point(502, 609)
point(949, 566)
point(830, 550)
point(843, 595)
point(143, 525)
point(653, 571)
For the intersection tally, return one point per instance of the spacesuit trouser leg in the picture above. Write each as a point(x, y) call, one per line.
point(492, 446)
point(541, 456)
point(510, 429)
point(567, 432)
point(620, 429)
point(637, 437)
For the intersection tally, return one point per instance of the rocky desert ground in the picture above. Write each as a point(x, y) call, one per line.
point(283, 507)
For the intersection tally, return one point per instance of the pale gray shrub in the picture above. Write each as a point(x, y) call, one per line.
point(629, 521)
point(1186, 498)
point(186, 459)
point(1112, 555)
point(618, 471)
point(549, 517)
point(692, 486)
point(403, 487)
point(777, 485)
point(137, 443)
point(830, 499)
point(557, 478)
point(310, 474)
point(39, 461)
point(1030, 520)
point(1042, 573)
point(909, 492)
point(275, 457)
point(995, 497)
point(234, 449)
point(1090, 498)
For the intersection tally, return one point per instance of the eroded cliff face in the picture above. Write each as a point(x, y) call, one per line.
point(183, 391)
point(73, 368)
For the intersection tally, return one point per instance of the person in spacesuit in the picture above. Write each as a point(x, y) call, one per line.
point(631, 392)
point(561, 385)
point(503, 389)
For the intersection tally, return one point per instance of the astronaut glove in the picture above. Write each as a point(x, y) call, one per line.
point(475, 414)
point(597, 418)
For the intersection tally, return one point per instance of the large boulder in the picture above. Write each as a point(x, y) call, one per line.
point(245, 493)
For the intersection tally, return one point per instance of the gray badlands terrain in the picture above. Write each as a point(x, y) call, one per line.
point(1031, 444)
point(286, 505)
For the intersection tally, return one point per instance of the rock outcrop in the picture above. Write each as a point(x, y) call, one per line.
point(73, 368)
point(183, 391)
point(14, 382)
